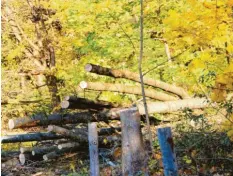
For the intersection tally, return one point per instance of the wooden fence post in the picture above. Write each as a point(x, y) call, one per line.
point(93, 149)
point(133, 153)
point(168, 153)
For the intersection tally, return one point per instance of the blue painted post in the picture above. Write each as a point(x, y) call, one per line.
point(168, 151)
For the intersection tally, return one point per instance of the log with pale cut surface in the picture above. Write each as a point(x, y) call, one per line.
point(67, 133)
point(129, 89)
point(79, 117)
point(26, 157)
point(41, 150)
point(172, 106)
point(68, 145)
point(25, 149)
point(30, 137)
point(72, 102)
point(135, 77)
point(101, 131)
point(58, 153)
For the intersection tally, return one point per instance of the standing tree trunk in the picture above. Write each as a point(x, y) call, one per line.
point(133, 153)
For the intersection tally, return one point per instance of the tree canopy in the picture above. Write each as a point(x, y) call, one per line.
point(46, 45)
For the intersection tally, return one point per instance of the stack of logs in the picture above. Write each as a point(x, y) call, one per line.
point(70, 138)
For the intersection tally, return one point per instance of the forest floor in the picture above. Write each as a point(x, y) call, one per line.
point(200, 150)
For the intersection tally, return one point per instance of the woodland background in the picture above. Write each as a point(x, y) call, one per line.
point(187, 43)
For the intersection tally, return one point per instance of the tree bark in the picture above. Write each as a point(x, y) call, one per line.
point(25, 157)
point(67, 133)
point(30, 137)
point(101, 131)
point(58, 153)
point(93, 149)
point(171, 106)
point(126, 89)
point(135, 77)
point(41, 150)
point(9, 154)
point(25, 149)
point(133, 153)
point(68, 145)
point(42, 119)
point(83, 103)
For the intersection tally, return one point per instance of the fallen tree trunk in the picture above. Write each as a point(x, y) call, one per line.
point(83, 103)
point(25, 157)
point(135, 77)
point(6, 154)
point(30, 137)
point(41, 150)
point(25, 149)
point(67, 133)
point(171, 106)
point(68, 145)
point(56, 119)
point(136, 90)
point(41, 120)
point(58, 153)
point(101, 131)
point(76, 105)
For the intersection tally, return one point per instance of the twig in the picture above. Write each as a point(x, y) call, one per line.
point(141, 76)
point(130, 40)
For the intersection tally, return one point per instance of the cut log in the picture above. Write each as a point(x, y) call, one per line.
point(135, 77)
point(82, 103)
point(41, 150)
point(40, 120)
point(101, 131)
point(10, 163)
point(136, 90)
point(30, 137)
point(25, 149)
point(93, 149)
point(80, 117)
point(133, 153)
point(68, 145)
point(9, 154)
point(87, 102)
point(58, 153)
point(70, 98)
point(50, 155)
point(26, 157)
point(171, 106)
point(22, 158)
point(67, 133)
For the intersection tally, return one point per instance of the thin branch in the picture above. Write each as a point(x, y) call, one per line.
point(154, 68)
point(141, 76)
point(130, 40)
